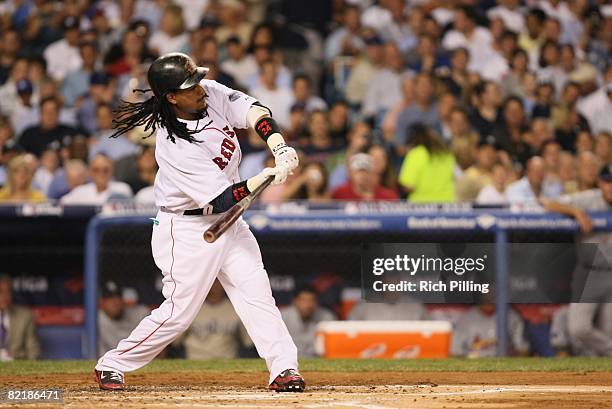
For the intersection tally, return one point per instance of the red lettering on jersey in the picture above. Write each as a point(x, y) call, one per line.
point(220, 162)
point(228, 144)
point(229, 132)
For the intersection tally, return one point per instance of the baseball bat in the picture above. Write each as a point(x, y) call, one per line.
point(224, 222)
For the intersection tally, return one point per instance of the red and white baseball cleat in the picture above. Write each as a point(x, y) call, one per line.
point(109, 380)
point(288, 381)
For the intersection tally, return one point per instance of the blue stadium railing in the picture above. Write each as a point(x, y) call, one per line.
point(347, 217)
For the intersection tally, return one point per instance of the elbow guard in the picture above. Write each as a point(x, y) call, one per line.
point(230, 197)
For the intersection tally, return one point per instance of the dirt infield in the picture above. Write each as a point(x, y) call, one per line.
point(364, 390)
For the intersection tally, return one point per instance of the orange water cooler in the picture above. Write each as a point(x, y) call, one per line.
point(384, 339)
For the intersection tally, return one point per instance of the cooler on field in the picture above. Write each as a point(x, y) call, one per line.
point(384, 339)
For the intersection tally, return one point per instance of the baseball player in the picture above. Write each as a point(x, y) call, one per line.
point(198, 155)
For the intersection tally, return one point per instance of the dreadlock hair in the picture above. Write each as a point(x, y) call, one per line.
point(152, 113)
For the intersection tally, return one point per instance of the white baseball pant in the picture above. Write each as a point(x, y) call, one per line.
point(189, 266)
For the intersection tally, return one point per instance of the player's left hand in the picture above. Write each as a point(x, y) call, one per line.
point(285, 156)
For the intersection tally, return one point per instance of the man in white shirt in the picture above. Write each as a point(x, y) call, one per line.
point(478, 40)
point(275, 97)
point(533, 185)
point(102, 188)
point(63, 56)
point(597, 109)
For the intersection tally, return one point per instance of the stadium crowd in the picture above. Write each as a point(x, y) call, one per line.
point(492, 102)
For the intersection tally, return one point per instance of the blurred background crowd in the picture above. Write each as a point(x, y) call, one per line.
point(493, 102)
point(430, 100)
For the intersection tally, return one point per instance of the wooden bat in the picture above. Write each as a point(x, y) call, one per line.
point(224, 222)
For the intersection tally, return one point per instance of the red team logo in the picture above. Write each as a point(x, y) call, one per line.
point(227, 149)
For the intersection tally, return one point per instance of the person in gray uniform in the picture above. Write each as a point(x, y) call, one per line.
point(587, 326)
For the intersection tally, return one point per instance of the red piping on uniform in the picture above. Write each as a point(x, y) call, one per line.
point(172, 309)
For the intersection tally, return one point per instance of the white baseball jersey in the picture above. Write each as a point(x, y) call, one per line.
point(192, 174)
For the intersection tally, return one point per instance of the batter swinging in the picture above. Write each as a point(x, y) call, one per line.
point(198, 155)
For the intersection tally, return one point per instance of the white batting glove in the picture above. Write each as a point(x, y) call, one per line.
point(285, 156)
point(279, 172)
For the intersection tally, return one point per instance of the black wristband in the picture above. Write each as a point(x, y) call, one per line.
point(265, 127)
point(240, 190)
point(230, 197)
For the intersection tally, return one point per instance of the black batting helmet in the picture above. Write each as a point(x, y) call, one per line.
point(172, 72)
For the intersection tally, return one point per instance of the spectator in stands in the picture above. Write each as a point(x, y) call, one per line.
point(25, 113)
point(102, 90)
point(207, 55)
point(18, 337)
point(541, 131)
point(486, 100)
point(279, 99)
point(567, 172)
point(345, 39)
point(584, 142)
point(115, 319)
point(63, 55)
point(216, 332)
point(427, 170)
point(509, 132)
point(385, 91)
point(588, 168)
point(544, 98)
point(11, 48)
point(475, 333)
point(102, 188)
point(302, 94)
point(512, 82)
point(495, 193)
point(365, 70)
point(302, 318)
point(423, 110)
point(114, 148)
point(339, 120)
point(74, 173)
point(125, 56)
point(310, 184)
point(50, 132)
point(320, 145)
point(531, 39)
point(457, 79)
point(8, 91)
point(592, 279)
point(480, 174)
point(238, 64)
point(19, 182)
point(146, 168)
point(171, 35)
point(49, 164)
point(533, 185)
point(466, 33)
point(385, 173)
point(463, 139)
point(363, 182)
point(233, 21)
point(76, 84)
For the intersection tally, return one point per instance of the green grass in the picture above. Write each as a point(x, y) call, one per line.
point(336, 365)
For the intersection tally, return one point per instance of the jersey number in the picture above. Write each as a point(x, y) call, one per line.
point(227, 150)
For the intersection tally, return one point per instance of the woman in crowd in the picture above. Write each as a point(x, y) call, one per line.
point(19, 181)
